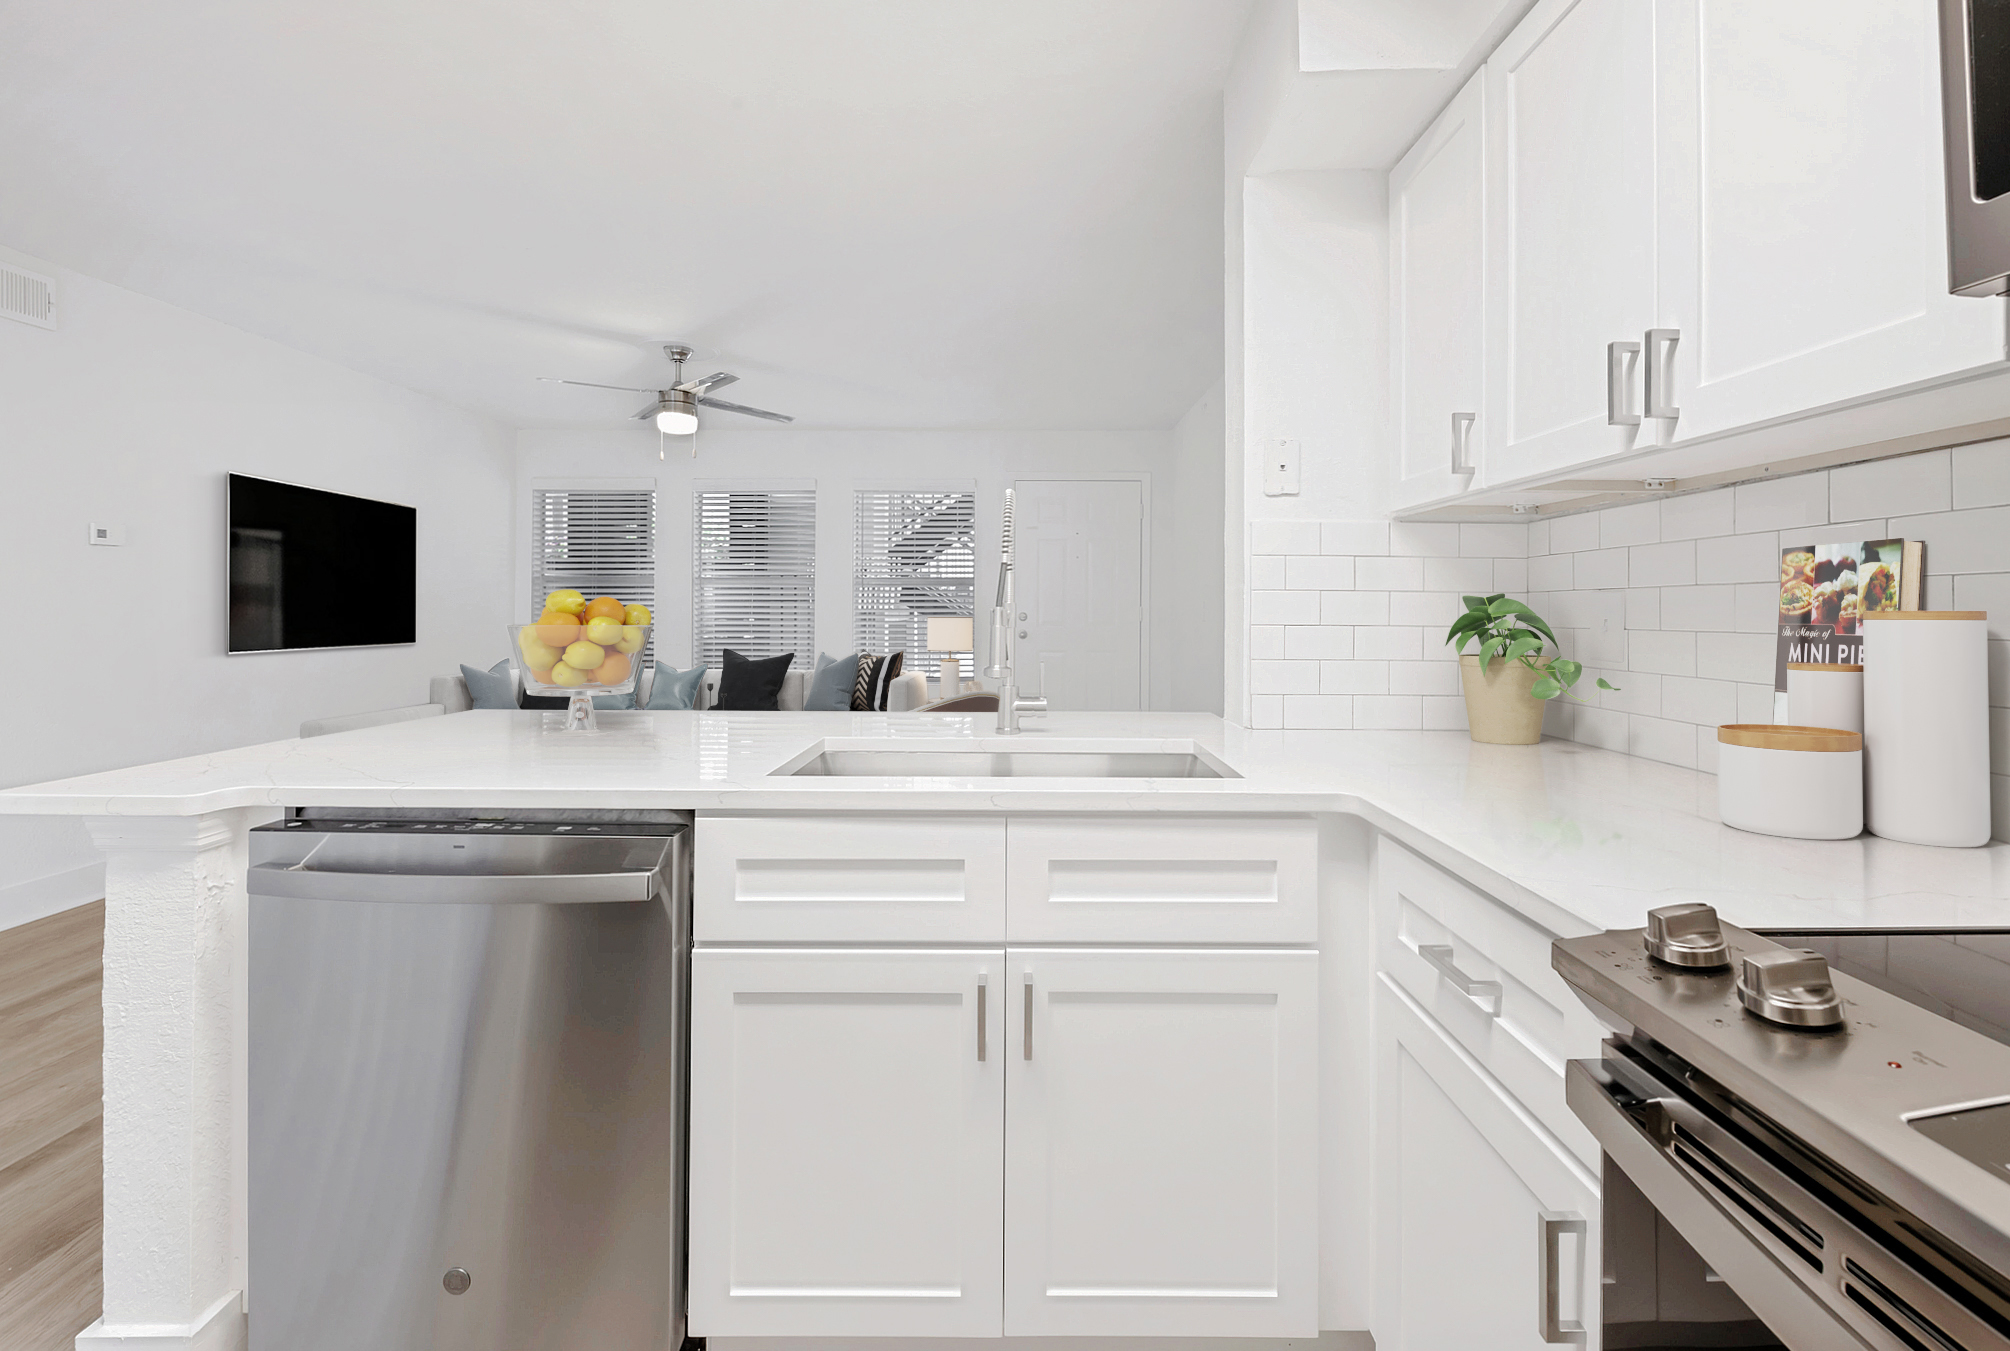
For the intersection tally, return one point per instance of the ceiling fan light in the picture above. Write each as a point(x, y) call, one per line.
point(676, 421)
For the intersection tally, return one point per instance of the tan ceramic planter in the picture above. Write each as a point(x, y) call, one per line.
point(1499, 707)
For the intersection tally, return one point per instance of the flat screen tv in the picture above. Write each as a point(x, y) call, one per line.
point(314, 569)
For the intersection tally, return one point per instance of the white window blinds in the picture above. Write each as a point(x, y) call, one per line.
point(601, 541)
point(754, 575)
point(914, 558)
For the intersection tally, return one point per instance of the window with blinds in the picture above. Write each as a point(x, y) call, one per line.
point(600, 541)
point(754, 574)
point(914, 559)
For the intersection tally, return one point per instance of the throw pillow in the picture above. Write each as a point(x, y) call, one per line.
point(748, 684)
point(493, 688)
point(831, 686)
point(673, 688)
point(875, 674)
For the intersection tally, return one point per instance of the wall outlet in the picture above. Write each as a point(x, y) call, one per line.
point(1280, 468)
point(107, 534)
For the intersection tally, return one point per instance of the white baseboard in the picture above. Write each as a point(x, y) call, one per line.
point(44, 896)
point(220, 1328)
point(1325, 1341)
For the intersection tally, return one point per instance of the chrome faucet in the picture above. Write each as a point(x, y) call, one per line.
point(1010, 705)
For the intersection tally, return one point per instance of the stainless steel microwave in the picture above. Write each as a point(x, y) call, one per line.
point(1975, 102)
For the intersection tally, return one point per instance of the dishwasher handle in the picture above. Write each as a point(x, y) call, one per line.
point(292, 882)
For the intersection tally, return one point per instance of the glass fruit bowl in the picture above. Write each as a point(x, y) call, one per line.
point(578, 659)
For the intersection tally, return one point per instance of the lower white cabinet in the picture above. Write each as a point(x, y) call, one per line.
point(1487, 1226)
point(1161, 1172)
point(890, 1143)
point(847, 1131)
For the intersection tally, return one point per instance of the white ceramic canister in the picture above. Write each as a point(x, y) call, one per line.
point(1806, 782)
point(1825, 696)
point(1926, 725)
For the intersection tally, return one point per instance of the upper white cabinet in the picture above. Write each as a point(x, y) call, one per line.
point(1570, 121)
point(1803, 240)
point(1437, 288)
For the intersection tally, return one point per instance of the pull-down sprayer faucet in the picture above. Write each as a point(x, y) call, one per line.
point(1010, 705)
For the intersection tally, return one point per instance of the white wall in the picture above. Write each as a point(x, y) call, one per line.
point(838, 462)
point(131, 414)
point(1195, 607)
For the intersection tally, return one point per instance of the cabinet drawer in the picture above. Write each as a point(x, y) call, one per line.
point(1483, 972)
point(1216, 879)
point(848, 878)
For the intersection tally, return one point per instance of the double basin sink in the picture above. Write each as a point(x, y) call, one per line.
point(837, 757)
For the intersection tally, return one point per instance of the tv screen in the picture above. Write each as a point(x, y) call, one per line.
point(317, 569)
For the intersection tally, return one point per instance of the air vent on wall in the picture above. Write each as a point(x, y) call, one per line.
point(27, 296)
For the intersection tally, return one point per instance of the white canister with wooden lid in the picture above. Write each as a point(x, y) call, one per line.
point(1926, 725)
point(1821, 695)
point(1806, 782)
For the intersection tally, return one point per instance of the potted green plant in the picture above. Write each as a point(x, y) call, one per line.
point(1509, 678)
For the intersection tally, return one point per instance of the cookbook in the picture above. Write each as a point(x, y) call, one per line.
point(1827, 589)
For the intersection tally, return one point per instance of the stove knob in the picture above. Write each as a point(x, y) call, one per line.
point(1687, 935)
point(1790, 986)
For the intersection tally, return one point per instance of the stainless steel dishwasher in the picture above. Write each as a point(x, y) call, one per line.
point(467, 1046)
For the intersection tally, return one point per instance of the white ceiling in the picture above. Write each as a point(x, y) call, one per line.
point(883, 213)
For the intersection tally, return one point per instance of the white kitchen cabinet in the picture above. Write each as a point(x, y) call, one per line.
point(1803, 239)
point(847, 1138)
point(1437, 300)
point(1161, 1146)
point(1487, 1227)
point(1573, 212)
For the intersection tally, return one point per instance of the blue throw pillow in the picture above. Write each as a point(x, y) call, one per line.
point(830, 687)
point(673, 688)
point(493, 688)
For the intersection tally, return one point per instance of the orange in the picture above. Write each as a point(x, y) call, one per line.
point(557, 630)
point(541, 676)
point(604, 607)
point(613, 670)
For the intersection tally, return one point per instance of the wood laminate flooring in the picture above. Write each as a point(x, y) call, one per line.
point(51, 1129)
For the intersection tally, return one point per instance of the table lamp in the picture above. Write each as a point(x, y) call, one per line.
point(956, 634)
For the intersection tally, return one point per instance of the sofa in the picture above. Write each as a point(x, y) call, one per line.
point(449, 694)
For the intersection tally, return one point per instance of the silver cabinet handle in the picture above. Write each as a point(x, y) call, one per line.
point(1660, 360)
point(1462, 437)
point(1551, 1226)
point(1620, 359)
point(983, 988)
point(1485, 993)
point(1028, 1038)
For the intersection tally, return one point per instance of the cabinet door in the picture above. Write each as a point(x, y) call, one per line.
point(1465, 1184)
point(1161, 1161)
point(1437, 301)
point(1804, 244)
point(847, 1138)
point(1570, 122)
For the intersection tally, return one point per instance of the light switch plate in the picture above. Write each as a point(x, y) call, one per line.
point(1280, 468)
point(107, 534)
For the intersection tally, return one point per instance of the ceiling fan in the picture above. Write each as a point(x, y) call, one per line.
point(675, 409)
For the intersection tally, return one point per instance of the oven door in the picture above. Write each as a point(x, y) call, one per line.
point(1708, 1243)
point(1975, 97)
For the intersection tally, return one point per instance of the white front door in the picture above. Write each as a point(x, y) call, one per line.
point(1079, 548)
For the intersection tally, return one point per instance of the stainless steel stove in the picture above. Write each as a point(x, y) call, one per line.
point(1806, 1137)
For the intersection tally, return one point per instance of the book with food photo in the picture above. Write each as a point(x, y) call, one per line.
point(1827, 589)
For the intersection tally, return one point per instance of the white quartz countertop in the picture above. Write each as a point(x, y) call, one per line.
point(1580, 839)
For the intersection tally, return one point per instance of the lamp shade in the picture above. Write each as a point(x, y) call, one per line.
point(955, 634)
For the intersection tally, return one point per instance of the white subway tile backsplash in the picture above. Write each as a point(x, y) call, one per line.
point(1601, 568)
point(1284, 607)
point(1354, 537)
point(1939, 591)
point(1459, 574)
point(1426, 609)
point(1284, 537)
point(1999, 674)
point(1552, 572)
point(1574, 534)
point(1319, 572)
point(1635, 523)
point(1902, 486)
point(1643, 608)
point(1982, 474)
point(1659, 739)
point(1986, 591)
point(1481, 540)
point(1755, 702)
point(1266, 710)
point(1322, 642)
point(1663, 653)
point(1538, 538)
point(1319, 711)
point(1699, 607)
point(1738, 558)
point(1757, 607)
point(1266, 642)
point(1633, 692)
point(1353, 677)
point(1423, 677)
point(1442, 714)
point(1736, 656)
point(1708, 702)
point(1662, 564)
point(1424, 539)
point(1284, 677)
point(1266, 572)
point(1511, 576)
point(1599, 727)
point(1782, 503)
point(1706, 749)
point(1389, 574)
point(1394, 712)
point(1347, 607)
point(1960, 541)
point(1697, 515)
point(1393, 643)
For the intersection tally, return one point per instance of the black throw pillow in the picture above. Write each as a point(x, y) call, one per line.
point(746, 684)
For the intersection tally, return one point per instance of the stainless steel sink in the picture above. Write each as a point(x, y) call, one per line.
point(1012, 764)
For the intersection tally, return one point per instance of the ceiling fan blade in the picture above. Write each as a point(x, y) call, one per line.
point(651, 411)
point(716, 380)
point(705, 402)
point(632, 389)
